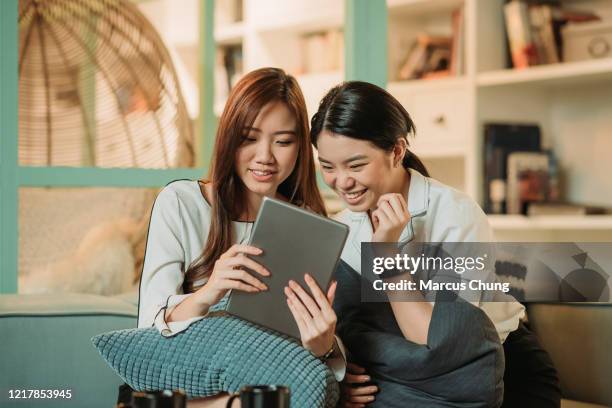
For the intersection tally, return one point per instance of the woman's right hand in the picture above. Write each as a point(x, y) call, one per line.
point(229, 273)
point(353, 393)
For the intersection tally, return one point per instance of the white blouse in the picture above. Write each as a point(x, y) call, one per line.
point(180, 221)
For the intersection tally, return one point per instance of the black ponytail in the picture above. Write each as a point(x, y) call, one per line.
point(364, 111)
point(411, 161)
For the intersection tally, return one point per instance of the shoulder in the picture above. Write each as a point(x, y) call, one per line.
point(457, 211)
point(451, 200)
point(184, 193)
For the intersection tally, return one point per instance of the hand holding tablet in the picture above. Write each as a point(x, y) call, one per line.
point(294, 242)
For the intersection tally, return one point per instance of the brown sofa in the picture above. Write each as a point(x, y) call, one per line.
point(578, 337)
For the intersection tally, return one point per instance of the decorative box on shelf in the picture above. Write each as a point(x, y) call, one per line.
point(587, 41)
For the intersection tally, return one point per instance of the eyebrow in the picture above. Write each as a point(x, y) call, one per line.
point(350, 159)
point(279, 132)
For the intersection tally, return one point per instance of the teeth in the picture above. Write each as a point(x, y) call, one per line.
point(260, 173)
point(354, 195)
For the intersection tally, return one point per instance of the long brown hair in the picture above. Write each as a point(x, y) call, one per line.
point(255, 90)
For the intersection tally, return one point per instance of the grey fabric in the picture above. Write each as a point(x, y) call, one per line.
point(578, 338)
point(45, 344)
point(461, 366)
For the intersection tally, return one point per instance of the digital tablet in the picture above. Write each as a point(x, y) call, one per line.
point(294, 241)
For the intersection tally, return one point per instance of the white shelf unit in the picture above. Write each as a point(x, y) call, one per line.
point(270, 34)
point(553, 222)
point(571, 102)
point(229, 34)
point(553, 75)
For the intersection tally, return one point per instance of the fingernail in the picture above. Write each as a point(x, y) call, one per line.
point(370, 398)
point(307, 276)
point(367, 378)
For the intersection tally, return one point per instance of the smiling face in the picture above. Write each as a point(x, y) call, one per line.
point(357, 170)
point(269, 150)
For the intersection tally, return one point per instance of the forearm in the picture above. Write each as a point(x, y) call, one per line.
point(413, 319)
point(411, 310)
point(187, 309)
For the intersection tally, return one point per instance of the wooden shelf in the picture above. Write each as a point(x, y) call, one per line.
point(551, 222)
point(297, 24)
point(229, 34)
point(553, 75)
point(402, 87)
point(419, 7)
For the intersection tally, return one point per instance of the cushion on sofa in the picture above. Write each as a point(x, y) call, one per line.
point(46, 345)
point(220, 353)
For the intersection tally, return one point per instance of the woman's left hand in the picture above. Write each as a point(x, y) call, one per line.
point(314, 315)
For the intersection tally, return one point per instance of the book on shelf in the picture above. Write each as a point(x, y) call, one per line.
point(429, 57)
point(541, 19)
point(501, 139)
point(322, 51)
point(527, 180)
point(523, 48)
point(457, 59)
point(228, 12)
point(228, 70)
point(533, 30)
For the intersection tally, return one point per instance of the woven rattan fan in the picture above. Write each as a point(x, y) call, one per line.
point(97, 88)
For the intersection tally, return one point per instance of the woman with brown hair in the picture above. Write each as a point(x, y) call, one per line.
point(195, 247)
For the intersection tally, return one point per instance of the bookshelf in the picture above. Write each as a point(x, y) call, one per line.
point(569, 100)
point(274, 33)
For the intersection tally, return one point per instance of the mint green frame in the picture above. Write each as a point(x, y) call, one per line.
point(365, 39)
point(9, 92)
point(365, 59)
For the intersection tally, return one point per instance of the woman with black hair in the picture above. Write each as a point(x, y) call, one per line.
point(418, 353)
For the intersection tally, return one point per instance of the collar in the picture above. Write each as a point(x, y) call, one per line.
point(418, 194)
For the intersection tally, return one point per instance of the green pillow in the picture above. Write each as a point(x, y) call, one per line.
point(218, 354)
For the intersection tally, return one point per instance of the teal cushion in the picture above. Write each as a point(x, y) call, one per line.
point(218, 354)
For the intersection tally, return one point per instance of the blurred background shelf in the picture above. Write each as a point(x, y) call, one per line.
point(551, 222)
point(315, 85)
point(296, 23)
point(562, 74)
point(230, 33)
point(417, 7)
point(409, 86)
